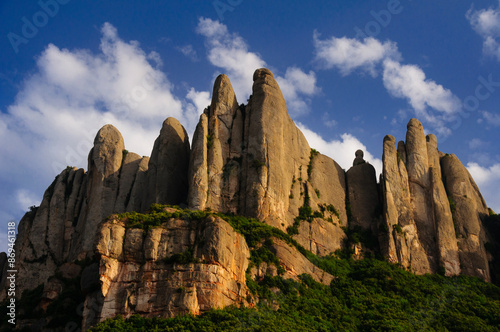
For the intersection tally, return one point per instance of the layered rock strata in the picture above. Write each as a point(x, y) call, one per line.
point(140, 270)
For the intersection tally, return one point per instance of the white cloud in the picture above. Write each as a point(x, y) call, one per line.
point(295, 86)
point(348, 54)
point(26, 198)
point(491, 118)
point(401, 81)
point(71, 94)
point(330, 123)
point(199, 101)
point(342, 151)
point(231, 53)
point(488, 181)
point(486, 22)
point(409, 81)
point(188, 51)
point(476, 143)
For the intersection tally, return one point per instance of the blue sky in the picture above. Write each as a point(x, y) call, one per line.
point(351, 72)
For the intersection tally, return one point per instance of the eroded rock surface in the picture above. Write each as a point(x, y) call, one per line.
point(249, 160)
point(139, 271)
point(432, 209)
point(168, 166)
point(253, 160)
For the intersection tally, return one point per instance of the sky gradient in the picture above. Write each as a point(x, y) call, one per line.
point(351, 73)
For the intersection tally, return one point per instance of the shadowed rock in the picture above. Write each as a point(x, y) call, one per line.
point(468, 207)
point(168, 166)
point(363, 194)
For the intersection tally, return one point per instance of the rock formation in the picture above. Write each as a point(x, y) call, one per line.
point(424, 228)
point(138, 272)
point(252, 160)
point(167, 170)
point(468, 207)
point(363, 194)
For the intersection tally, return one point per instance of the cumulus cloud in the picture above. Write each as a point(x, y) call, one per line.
point(70, 95)
point(348, 54)
point(486, 22)
point(342, 150)
point(296, 86)
point(409, 81)
point(230, 52)
point(488, 181)
point(431, 101)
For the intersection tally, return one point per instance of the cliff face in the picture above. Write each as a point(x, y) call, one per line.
point(253, 160)
point(141, 271)
point(432, 209)
point(248, 160)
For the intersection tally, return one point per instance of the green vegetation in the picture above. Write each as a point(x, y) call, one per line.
point(398, 229)
point(453, 208)
point(313, 154)
point(210, 141)
point(330, 208)
point(367, 295)
point(157, 216)
point(186, 257)
point(257, 163)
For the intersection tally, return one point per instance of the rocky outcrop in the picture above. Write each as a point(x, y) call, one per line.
point(128, 172)
point(398, 237)
point(295, 264)
point(168, 166)
point(63, 228)
point(249, 160)
point(363, 195)
point(325, 193)
point(181, 267)
point(198, 175)
point(139, 186)
point(253, 160)
point(105, 160)
point(468, 207)
point(432, 209)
